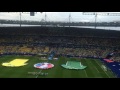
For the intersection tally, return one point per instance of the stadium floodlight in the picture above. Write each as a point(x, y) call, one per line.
point(100, 13)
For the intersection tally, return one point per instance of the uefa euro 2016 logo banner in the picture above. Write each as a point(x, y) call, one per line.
point(43, 65)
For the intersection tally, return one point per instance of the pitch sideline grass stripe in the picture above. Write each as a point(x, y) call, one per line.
point(88, 69)
point(58, 70)
point(92, 69)
point(102, 73)
point(108, 71)
point(102, 69)
point(94, 66)
point(86, 73)
point(83, 72)
point(97, 68)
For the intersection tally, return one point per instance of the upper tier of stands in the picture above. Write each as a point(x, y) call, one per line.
point(59, 31)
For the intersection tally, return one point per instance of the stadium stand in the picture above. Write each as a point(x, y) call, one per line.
point(79, 42)
point(66, 42)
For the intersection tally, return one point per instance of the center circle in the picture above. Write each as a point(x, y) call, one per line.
point(43, 65)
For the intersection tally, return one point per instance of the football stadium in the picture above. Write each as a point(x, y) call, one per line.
point(43, 49)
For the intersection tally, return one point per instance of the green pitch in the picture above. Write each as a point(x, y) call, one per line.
point(93, 69)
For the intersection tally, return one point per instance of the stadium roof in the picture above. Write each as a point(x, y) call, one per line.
point(60, 16)
point(64, 17)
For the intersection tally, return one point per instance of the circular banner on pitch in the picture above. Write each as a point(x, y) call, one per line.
point(43, 65)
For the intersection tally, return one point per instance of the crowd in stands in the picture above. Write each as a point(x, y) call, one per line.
point(12, 39)
point(35, 41)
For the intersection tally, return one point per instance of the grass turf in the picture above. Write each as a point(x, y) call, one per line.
point(93, 69)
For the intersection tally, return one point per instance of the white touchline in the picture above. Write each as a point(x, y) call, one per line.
point(85, 73)
point(102, 69)
point(95, 67)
